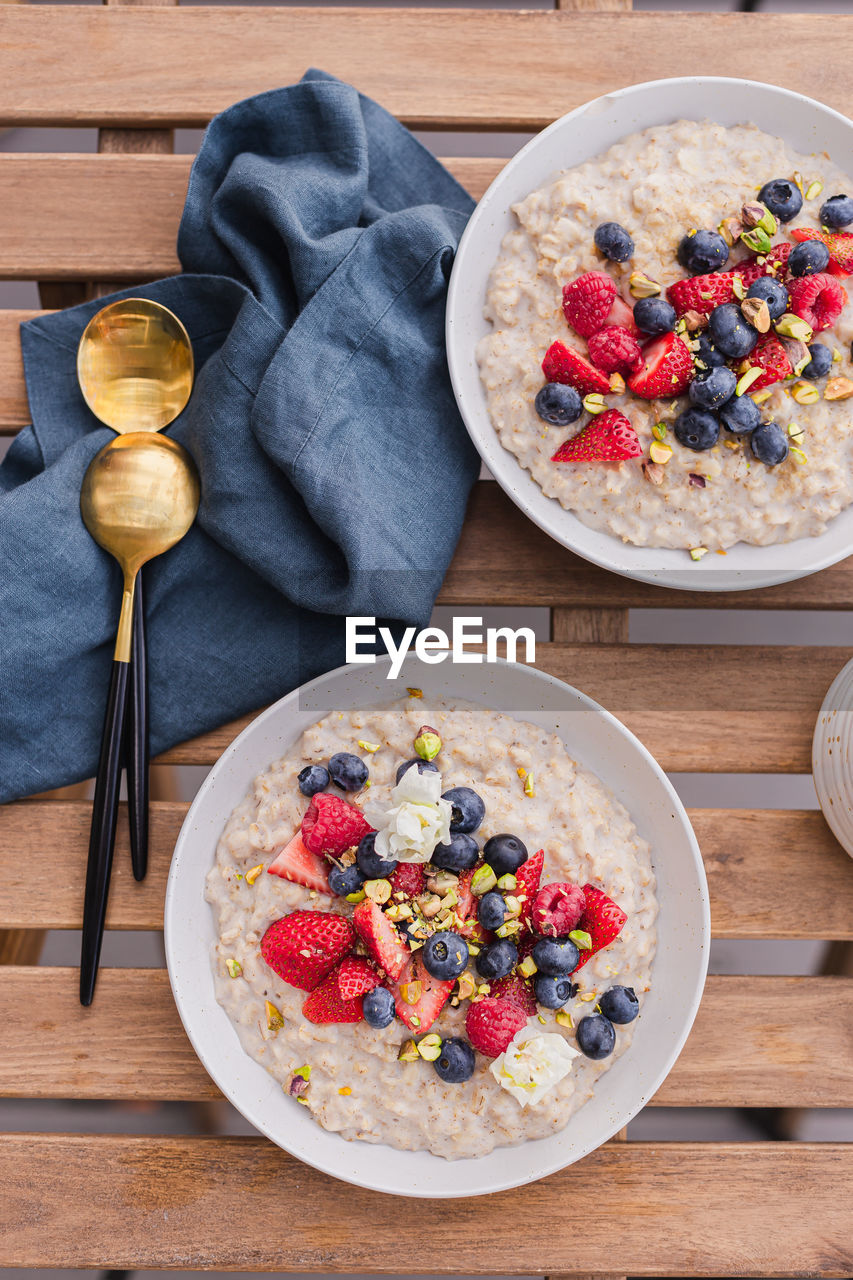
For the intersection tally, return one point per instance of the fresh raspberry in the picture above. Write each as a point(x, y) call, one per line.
point(769, 355)
point(330, 825)
point(419, 997)
point(614, 350)
point(356, 977)
point(557, 909)
point(408, 878)
point(587, 302)
point(701, 293)
point(527, 878)
point(292, 861)
point(667, 368)
point(622, 315)
point(839, 244)
point(516, 989)
point(602, 919)
point(491, 1024)
point(607, 438)
point(304, 946)
point(326, 1004)
point(818, 299)
point(564, 364)
point(380, 937)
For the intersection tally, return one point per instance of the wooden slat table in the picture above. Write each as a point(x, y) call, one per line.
point(78, 223)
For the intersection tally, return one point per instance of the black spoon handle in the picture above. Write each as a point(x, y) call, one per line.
point(102, 836)
point(136, 747)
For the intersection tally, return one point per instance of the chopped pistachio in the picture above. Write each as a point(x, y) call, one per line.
point(508, 881)
point(466, 985)
point(659, 430)
point(296, 1086)
point(731, 229)
point(521, 771)
point(443, 881)
point(370, 747)
point(793, 326)
point(528, 785)
point(235, 969)
point(838, 389)
point(745, 381)
point(356, 897)
point(304, 1072)
point(543, 1021)
point(660, 453)
point(408, 1052)
point(813, 190)
point(798, 455)
point(528, 967)
point(694, 321)
point(752, 213)
point(653, 472)
point(587, 996)
point(450, 899)
point(836, 355)
point(430, 905)
point(412, 991)
point(594, 404)
point(797, 353)
point(796, 433)
point(483, 989)
point(757, 239)
point(696, 553)
point(430, 1047)
point(581, 939)
point(513, 905)
point(473, 949)
point(760, 396)
point(509, 929)
point(345, 1091)
point(563, 1018)
point(757, 312)
point(275, 1021)
point(378, 891)
point(483, 880)
point(805, 392)
point(738, 288)
point(798, 180)
point(642, 286)
point(427, 742)
point(251, 876)
point(414, 693)
point(617, 384)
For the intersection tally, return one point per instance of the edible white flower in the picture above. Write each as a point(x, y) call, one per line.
point(532, 1063)
point(418, 821)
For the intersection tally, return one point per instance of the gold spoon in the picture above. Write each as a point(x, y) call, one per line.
point(135, 370)
point(139, 497)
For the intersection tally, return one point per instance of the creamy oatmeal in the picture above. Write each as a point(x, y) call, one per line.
point(658, 184)
point(358, 1085)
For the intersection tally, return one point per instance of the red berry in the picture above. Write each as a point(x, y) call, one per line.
point(602, 919)
point(667, 368)
point(466, 908)
point(408, 878)
point(356, 977)
point(380, 937)
point(564, 364)
point(491, 1024)
point(622, 315)
point(701, 293)
point(839, 244)
point(774, 262)
point(326, 1004)
point(527, 878)
point(614, 350)
point(770, 356)
point(516, 989)
point(304, 946)
point(607, 438)
point(331, 825)
point(557, 909)
point(587, 302)
point(425, 1002)
point(818, 299)
point(294, 862)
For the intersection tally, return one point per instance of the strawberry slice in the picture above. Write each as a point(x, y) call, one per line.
point(528, 876)
point(408, 878)
point(607, 438)
point(295, 862)
point(380, 937)
point(701, 293)
point(326, 1004)
point(429, 998)
point(303, 947)
point(356, 977)
point(622, 315)
point(839, 244)
point(770, 356)
point(667, 368)
point(602, 919)
point(564, 364)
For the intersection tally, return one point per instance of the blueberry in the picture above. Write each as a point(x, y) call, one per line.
point(730, 333)
point(820, 363)
point(771, 292)
point(378, 1008)
point(654, 315)
point(424, 766)
point(456, 1061)
point(558, 404)
point(555, 956)
point(706, 354)
point(596, 1036)
point(712, 389)
point(371, 866)
point(837, 212)
point(619, 1004)
point(460, 853)
point(703, 251)
point(445, 955)
point(697, 429)
point(348, 771)
point(497, 959)
point(492, 910)
point(740, 414)
point(504, 853)
point(769, 444)
point(468, 809)
point(313, 778)
point(552, 992)
point(808, 258)
point(782, 197)
point(345, 880)
point(613, 241)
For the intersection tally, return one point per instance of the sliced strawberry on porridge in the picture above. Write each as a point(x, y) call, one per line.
point(326, 1004)
point(304, 946)
point(293, 861)
point(380, 937)
point(418, 996)
point(602, 919)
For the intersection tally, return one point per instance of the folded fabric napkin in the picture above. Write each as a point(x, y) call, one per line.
point(317, 240)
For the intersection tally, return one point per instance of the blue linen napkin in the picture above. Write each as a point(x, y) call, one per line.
point(316, 241)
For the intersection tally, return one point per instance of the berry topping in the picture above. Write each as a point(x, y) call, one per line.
point(607, 438)
point(837, 212)
point(820, 363)
point(313, 778)
point(740, 414)
point(553, 992)
point(655, 315)
point(666, 371)
point(782, 197)
point(456, 1061)
point(491, 1024)
point(516, 989)
point(409, 879)
point(839, 244)
point(587, 302)
point(769, 444)
point(380, 937)
point(711, 389)
point(527, 878)
point(349, 772)
point(622, 315)
point(371, 866)
point(818, 299)
point(808, 258)
point(770, 356)
point(564, 364)
point(332, 825)
point(326, 1004)
point(492, 910)
point(613, 241)
point(468, 809)
point(558, 404)
point(445, 955)
point(423, 766)
point(378, 1008)
point(294, 862)
point(556, 956)
point(701, 293)
point(602, 920)
point(614, 350)
point(356, 977)
point(344, 881)
point(304, 946)
point(730, 333)
point(460, 853)
point(702, 251)
point(619, 1004)
point(706, 355)
point(419, 997)
point(497, 959)
point(557, 908)
point(504, 853)
point(772, 292)
point(697, 429)
point(595, 1036)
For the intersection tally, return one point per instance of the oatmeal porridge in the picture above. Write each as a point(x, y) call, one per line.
point(435, 929)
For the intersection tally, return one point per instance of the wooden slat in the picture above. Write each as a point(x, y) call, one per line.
point(772, 873)
point(161, 68)
point(709, 1209)
point(757, 1041)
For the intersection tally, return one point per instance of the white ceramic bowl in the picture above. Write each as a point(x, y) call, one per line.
point(807, 126)
point(832, 757)
point(593, 737)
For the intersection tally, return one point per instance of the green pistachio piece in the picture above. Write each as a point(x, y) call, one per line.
point(430, 1047)
point(235, 969)
point(581, 939)
point(428, 742)
point(483, 880)
point(508, 882)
